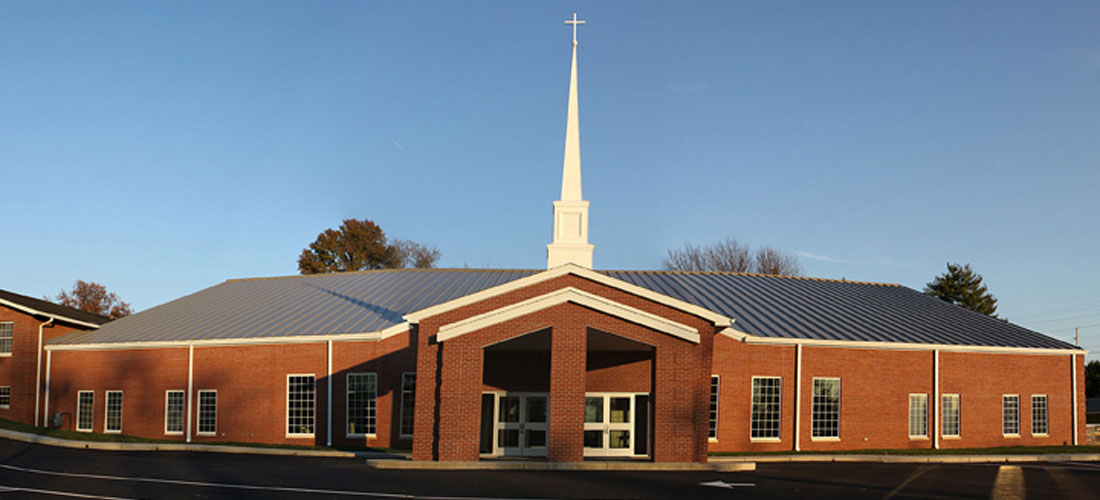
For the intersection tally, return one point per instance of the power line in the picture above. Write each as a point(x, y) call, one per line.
point(1063, 319)
point(1064, 309)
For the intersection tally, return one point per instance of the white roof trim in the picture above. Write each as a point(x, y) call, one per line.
point(718, 319)
point(295, 339)
point(903, 346)
point(30, 310)
point(567, 294)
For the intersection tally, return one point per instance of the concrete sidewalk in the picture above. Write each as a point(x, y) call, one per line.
point(911, 459)
point(251, 450)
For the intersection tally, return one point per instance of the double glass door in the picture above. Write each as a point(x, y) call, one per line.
point(609, 424)
point(521, 424)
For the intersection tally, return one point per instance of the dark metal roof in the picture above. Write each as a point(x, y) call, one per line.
point(47, 308)
point(767, 306)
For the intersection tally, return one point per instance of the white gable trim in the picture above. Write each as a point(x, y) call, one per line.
point(33, 311)
point(567, 294)
point(903, 346)
point(717, 319)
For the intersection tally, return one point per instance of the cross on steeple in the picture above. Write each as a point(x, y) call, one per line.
point(574, 22)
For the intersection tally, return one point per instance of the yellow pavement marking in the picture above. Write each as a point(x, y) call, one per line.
point(1070, 486)
point(916, 473)
point(1009, 484)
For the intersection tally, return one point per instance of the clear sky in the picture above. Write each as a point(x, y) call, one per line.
point(162, 147)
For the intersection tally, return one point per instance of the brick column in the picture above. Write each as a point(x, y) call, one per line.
point(567, 369)
point(459, 401)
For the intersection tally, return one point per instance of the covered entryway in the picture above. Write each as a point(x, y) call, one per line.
point(515, 397)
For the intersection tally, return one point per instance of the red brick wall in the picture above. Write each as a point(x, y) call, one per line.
point(17, 370)
point(735, 364)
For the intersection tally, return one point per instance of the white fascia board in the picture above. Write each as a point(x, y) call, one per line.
point(567, 294)
point(296, 339)
point(717, 319)
point(901, 346)
point(29, 310)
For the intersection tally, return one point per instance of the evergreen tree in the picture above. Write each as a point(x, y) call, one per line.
point(961, 286)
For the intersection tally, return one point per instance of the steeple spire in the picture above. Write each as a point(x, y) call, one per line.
point(570, 244)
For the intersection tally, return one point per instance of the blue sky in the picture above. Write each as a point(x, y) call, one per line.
point(163, 147)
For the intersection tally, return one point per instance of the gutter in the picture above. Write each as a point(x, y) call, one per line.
point(38, 371)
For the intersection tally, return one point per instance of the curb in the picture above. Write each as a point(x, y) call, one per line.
point(912, 459)
point(561, 466)
point(212, 448)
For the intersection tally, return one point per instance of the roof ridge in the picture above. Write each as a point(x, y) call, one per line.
point(377, 271)
point(755, 275)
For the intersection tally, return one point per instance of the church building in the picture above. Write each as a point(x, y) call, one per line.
point(567, 363)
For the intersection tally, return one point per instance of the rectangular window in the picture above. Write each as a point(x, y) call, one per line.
point(5, 397)
point(84, 403)
point(173, 412)
point(362, 392)
point(5, 338)
point(1039, 415)
point(951, 412)
point(114, 412)
point(714, 386)
point(300, 391)
point(1010, 415)
point(825, 415)
point(918, 415)
point(408, 403)
point(208, 412)
point(766, 394)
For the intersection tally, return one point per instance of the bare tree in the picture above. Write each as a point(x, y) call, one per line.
point(732, 256)
point(413, 254)
point(89, 296)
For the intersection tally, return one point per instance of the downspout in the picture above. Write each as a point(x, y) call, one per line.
point(190, 380)
point(1073, 367)
point(38, 372)
point(797, 397)
point(328, 413)
point(46, 417)
point(937, 412)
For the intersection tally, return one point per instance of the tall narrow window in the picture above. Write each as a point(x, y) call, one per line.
point(362, 392)
point(84, 403)
point(918, 415)
point(299, 405)
point(1039, 422)
point(408, 403)
point(5, 397)
point(5, 337)
point(1010, 415)
point(714, 387)
point(825, 414)
point(951, 412)
point(173, 412)
point(766, 394)
point(114, 412)
point(208, 412)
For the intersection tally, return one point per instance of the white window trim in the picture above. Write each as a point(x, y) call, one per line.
point(401, 417)
point(286, 413)
point(198, 413)
point(1019, 416)
point(107, 412)
point(347, 406)
point(839, 398)
point(918, 437)
point(78, 414)
point(1047, 416)
point(766, 439)
point(717, 407)
point(182, 415)
point(958, 406)
point(7, 406)
point(8, 354)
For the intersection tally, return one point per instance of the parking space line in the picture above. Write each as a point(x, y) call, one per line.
point(1009, 484)
point(60, 493)
point(912, 477)
point(1070, 486)
point(283, 489)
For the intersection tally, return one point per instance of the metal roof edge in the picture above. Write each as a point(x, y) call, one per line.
point(861, 344)
point(31, 310)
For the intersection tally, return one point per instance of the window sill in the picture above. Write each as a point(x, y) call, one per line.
point(83, 430)
point(113, 432)
point(712, 440)
point(5, 407)
point(5, 354)
point(918, 438)
point(1010, 436)
point(951, 438)
point(764, 440)
point(1044, 435)
point(405, 436)
point(215, 433)
point(825, 439)
point(300, 436)
point(173, 433)
point(368, 436)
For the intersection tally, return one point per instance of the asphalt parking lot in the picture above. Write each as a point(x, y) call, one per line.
point(37, 471)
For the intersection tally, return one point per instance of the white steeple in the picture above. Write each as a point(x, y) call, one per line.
point(570, 244)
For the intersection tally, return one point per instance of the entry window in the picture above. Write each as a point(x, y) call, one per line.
point(173, 412)
point(5, 338)
point(84, 403)
point(208, 412)
point(951, 412)
point(362, 392)
point(114, 412)
point(918, 415)
point(593, 414)
point(1039, 424)
point(1010, 415)
point(714, 386)
point(5, 397)
point(825, 415)
point(299, 405)
point(408, 403)
point(766, 394)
